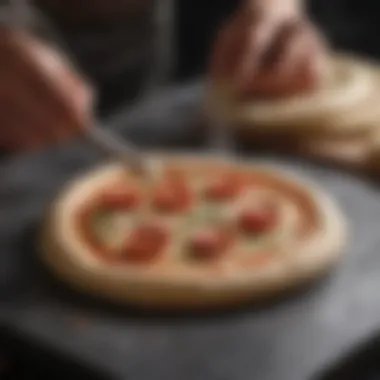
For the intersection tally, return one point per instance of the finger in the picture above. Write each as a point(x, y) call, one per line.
point(309, 72)
point(268, 80)
point(17, 136)
point(21, 129)
point(70, 91)
point(31, 119)
point(280, 79)
point(220, 62)
point(287, 46)
point(14, 123)
point(33, 116)
point(311, 62)
point(293, 69)
point(50, 78)
point(19, 74)
point(258, 42)
point(319, 52)
point(4, 132)
point(53, 121)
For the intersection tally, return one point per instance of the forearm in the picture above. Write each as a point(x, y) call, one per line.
point(283, 6)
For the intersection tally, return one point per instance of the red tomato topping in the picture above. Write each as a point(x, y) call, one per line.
point(168, 200)
point(172, 195)
point(224, 187)
point(145, 243)
point(258, 220)
point(209, 243)
point(120, 198)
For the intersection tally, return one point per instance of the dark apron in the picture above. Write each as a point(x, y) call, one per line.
point(123, 46)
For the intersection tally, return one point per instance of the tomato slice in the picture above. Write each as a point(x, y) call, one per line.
point(224, 187)
point(258, 220)
point(209, 243)
point(167, 200)
point(122, 198)
point(145, 243)
point(173, 194)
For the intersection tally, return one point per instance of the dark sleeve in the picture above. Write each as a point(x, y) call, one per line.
point(349, 24)
point(197, 22)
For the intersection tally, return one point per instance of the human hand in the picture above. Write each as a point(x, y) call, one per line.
point(42, 99)
point(268, 48)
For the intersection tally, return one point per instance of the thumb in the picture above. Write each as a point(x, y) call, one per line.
point(76, 95)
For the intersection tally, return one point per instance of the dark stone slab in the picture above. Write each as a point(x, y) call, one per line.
point(291, 340)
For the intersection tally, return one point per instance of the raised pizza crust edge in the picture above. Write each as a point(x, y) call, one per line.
point(95, 277)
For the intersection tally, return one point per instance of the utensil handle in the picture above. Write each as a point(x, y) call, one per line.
point(124, 150)
point(220, 136)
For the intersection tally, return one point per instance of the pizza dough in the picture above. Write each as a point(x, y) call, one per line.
point(348, 152)
point(327, 124)
point(349, 83)
point(241, 233)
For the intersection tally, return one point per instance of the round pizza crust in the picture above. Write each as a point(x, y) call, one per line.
point(343, 103)
point(71, 260)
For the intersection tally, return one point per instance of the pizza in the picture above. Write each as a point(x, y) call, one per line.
point(201, 233)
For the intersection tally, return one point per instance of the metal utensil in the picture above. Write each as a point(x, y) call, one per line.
point(124, 150)
point(220, 138)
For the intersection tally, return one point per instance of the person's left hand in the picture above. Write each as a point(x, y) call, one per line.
point(268, 48)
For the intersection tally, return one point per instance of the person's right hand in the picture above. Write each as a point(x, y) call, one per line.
point(42, 99)
point(268, 48)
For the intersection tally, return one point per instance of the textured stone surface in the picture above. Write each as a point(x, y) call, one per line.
point(291, 340)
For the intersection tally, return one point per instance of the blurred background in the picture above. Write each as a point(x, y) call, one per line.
point(115, 41)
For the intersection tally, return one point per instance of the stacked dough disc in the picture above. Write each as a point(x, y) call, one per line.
point(338, 121)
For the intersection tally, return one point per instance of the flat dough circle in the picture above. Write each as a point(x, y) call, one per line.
point(350, 82)
point(71, 259)
point(350, 152)
point(361, 118)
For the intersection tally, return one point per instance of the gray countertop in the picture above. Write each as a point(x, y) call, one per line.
point(291, 340)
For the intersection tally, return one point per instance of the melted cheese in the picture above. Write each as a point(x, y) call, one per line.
point(111, 228)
